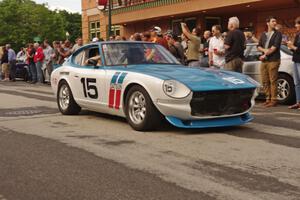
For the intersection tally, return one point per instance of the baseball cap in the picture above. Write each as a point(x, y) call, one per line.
point(95, 39)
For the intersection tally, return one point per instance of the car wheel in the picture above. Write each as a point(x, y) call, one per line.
point(286, 89)
point(141, 113)
point(65, 100)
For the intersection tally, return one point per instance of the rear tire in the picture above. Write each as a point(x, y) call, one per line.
point(65, 100)
point(141, 113)
point(286, 89)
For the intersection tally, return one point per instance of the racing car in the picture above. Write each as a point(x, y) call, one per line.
point(144, 83)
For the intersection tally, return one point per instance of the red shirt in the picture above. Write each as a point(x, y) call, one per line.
point(162, 41)
point(39, 55)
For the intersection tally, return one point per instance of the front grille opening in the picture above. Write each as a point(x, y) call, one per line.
point(218, 103)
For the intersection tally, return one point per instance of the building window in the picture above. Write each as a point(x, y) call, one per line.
point(94, 30)
point(191, 22)
point(211, 21)
point(116, 30)
point(176, 26)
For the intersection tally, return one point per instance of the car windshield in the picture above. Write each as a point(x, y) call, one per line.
point(132, 53)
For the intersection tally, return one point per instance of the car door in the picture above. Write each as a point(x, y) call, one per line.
point(88, 79)
point(115, 61)
point(251, 65)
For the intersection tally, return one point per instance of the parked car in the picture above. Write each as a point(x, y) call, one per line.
point(144, 83)
point(251, 67)
point(22, 70)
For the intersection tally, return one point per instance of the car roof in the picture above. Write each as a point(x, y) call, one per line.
point(121, 42)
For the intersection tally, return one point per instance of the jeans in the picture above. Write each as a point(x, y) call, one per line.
point(269, 76)
point(12, 69)
point(49, 68)
point(29, 75)
point(38, 66)
point(33, 73)
point(296, 76)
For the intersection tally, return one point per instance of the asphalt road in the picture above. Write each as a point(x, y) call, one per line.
point(45, 155)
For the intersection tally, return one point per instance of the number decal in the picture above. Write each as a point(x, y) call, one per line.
point(234, 80)
point(89, 88)
point(83, 84)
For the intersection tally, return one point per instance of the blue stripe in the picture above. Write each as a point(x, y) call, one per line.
point(115, 77)
point(121, 78)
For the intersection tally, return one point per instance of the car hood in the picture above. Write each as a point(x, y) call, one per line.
point(197, 79)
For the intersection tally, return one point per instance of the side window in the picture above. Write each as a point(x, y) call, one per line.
point(83, 57)
point(251, 53)
point(78, 60)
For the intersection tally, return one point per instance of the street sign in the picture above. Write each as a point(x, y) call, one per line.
point(37, 39)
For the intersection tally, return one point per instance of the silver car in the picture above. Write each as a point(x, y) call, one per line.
point(251, 67)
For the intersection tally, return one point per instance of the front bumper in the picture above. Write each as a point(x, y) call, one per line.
point(208, 105)
point(211, 123)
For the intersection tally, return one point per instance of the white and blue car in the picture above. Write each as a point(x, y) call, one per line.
point(145, 83)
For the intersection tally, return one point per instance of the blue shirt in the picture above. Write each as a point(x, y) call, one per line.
point(11, 55)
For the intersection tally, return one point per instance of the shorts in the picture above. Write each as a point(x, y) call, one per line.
point(5, 68)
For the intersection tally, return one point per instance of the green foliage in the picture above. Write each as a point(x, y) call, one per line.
point(22, 20)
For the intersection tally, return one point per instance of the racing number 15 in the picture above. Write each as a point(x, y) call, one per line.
point(88, 88)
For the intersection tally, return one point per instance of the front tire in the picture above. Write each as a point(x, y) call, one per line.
point(141, 113)
point(65, 100)
point(286, 89)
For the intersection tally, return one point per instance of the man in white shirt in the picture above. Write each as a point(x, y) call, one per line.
point(216, 48)
point(21, 55)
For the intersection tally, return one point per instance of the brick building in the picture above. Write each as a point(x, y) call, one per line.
point(130, 16)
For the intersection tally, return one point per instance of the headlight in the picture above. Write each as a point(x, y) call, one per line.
point(251, 80)
point(175, 89)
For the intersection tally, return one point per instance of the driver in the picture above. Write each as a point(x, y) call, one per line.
point(96, 59)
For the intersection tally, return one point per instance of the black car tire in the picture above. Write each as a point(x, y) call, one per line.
point(152, 117)
point(290, 87)
point(70, 107)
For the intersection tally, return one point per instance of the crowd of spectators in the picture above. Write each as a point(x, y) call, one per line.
point(40, 59)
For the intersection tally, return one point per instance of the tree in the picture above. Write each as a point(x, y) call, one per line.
point(72, 23)
point(22, 20)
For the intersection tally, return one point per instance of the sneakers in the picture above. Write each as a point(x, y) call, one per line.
point(295, 106)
